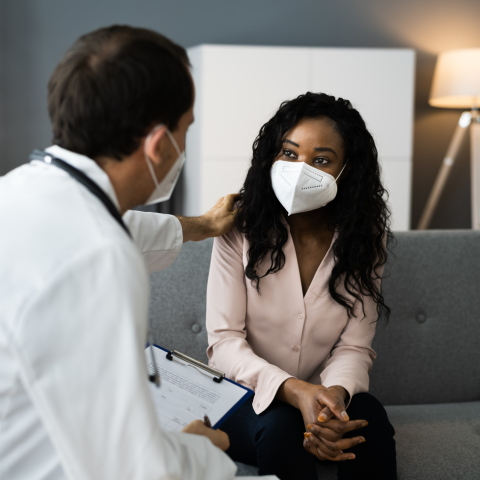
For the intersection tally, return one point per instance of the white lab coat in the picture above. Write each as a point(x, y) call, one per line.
point(74, 395)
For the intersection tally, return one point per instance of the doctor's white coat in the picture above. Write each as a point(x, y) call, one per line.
point(74, 400)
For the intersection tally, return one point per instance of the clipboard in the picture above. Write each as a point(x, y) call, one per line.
point(189, 389)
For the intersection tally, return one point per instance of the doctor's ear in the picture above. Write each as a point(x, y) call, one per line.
point(156, 144)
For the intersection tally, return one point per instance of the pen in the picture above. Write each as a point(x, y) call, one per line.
point(206, 421)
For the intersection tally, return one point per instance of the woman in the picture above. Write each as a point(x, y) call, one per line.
point(294, 296)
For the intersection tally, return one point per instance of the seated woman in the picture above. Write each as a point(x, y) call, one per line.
point(294, 296)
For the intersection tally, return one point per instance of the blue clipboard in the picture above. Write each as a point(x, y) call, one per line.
point(248, 393)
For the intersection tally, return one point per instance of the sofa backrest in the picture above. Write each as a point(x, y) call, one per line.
point(428, 353)
point(178, 301)
point(430, 350)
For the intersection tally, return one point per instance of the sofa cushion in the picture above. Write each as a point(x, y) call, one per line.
point(436, 442)
point(428, 353)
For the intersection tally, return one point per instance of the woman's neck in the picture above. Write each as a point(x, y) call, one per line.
point(306, 225)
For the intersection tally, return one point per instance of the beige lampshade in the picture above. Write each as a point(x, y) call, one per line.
point(456, 82)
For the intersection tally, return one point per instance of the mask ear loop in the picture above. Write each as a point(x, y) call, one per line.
point(334, 183)
point(346, 163)
point(174, 142)
point(147, 159)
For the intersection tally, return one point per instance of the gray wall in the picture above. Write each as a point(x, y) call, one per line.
point(35, 33)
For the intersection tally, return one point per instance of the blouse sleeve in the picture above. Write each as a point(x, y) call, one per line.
point(352, 356)
point(228, 348)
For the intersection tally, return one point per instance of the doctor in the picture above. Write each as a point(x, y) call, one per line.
point(74, 396)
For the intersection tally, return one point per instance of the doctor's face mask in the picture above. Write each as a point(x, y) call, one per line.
point(163, 190)
point(300, 187)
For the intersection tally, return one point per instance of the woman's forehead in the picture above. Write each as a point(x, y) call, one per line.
point(314, 131)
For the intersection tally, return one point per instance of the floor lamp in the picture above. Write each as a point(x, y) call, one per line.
point(456, 84)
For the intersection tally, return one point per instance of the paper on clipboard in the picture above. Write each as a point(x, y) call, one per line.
point(185, 394)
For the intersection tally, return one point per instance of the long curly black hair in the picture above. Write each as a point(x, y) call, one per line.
point(359, 212)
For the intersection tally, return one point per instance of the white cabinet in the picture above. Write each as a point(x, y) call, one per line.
point(238, 88)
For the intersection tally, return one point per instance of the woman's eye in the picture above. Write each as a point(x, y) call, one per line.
point(320, 161)
point(288, 153)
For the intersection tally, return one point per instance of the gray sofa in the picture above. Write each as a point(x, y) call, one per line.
point(427, 372)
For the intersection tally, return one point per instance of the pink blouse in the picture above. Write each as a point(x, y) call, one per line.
point(261, 340)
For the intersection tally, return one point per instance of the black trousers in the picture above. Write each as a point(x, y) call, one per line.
point(273, 441)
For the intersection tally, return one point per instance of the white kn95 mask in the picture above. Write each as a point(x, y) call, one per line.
point(163, 190)
point(300, 187)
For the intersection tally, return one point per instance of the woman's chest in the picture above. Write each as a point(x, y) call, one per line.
point(309, 257)
point(280, 310)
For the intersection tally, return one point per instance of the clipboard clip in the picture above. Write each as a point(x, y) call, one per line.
point(218, 376)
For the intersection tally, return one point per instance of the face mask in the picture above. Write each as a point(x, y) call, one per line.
point(163, 190)
point(300, 187)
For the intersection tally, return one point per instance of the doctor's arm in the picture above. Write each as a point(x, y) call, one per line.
point(216, 222)
point(159, 237)
point(90, 385)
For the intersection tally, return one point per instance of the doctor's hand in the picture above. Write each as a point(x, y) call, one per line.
point(217, 437)
point(218, 221)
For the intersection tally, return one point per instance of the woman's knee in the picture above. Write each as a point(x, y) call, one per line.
point(281, 420)
point(365, 406)
point(279, 443)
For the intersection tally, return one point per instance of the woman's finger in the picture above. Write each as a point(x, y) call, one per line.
point(319, 445)
point(326, 398)
point(309, 447)
point(325, 415)
point(323, 453)
point(343, 444)
point(334, 430)
point(344, 427)
point(324, 432)
point(341, 458)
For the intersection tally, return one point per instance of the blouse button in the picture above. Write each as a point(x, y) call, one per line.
point(300, 316)
point(295, 348)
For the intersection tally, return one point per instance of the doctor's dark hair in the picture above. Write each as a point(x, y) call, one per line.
point(112, 86)
point(359, 212)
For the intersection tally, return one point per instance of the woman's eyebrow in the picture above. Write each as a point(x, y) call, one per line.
point(325, 149)
point(317, 149)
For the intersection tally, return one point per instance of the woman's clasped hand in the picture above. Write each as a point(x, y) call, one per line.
point(325, 417)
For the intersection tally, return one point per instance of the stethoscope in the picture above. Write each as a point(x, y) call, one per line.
point(103, 197)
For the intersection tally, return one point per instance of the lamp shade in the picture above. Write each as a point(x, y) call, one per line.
point(456, 81)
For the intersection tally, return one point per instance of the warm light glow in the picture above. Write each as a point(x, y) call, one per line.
point(456, 82)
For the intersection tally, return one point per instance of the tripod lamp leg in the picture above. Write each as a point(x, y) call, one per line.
point(444, 172)
point(475, 171)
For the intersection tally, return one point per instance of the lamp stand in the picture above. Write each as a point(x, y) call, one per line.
point(475, 170)
point(467, 119)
